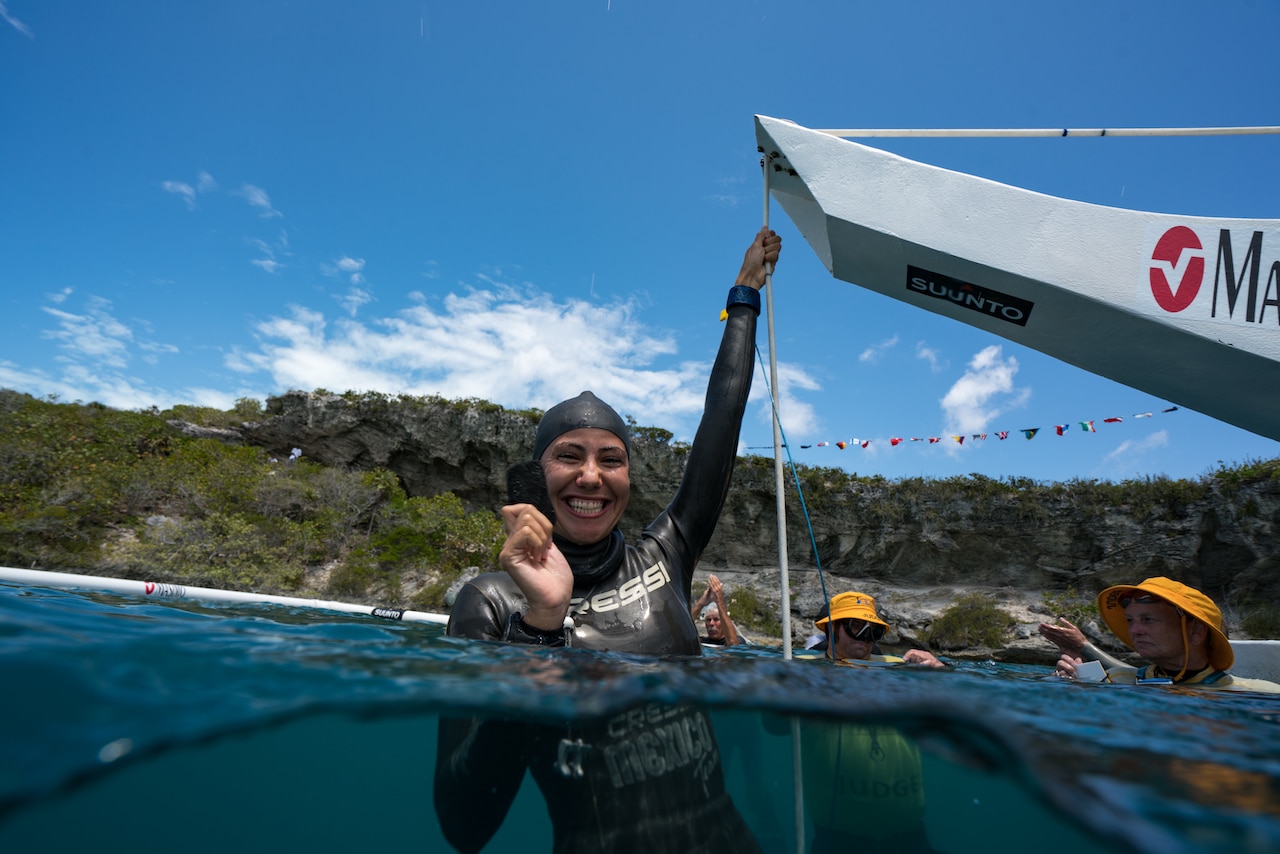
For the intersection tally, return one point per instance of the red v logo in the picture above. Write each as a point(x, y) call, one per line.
point(1177, 269)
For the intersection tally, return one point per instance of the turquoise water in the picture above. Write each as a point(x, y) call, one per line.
point(132, 725)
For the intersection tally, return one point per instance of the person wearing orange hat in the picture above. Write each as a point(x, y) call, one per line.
point(1176, 628)
point(853, 627)
point(864, 785)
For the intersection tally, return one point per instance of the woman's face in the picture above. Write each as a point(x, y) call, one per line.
point(589, 481)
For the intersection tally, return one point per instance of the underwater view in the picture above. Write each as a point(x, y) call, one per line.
point(132, 725)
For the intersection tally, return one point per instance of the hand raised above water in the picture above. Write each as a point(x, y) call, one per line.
point(538, 567)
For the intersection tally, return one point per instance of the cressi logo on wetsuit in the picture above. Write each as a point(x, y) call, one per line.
point(633, 589)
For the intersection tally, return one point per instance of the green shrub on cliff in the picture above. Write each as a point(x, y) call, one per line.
point(1070, 604)
point(432, 537)
point(93, 489)
point(752, 614)
point(1262, 622)
point(972, 620)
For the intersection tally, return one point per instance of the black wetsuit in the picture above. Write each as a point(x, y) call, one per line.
point(648, 779)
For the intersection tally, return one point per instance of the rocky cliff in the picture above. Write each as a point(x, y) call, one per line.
point(1216, 534)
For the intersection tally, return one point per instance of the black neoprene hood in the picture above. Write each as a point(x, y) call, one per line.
point(585, 410)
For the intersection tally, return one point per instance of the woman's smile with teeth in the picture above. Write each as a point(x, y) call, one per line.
point(585, 506)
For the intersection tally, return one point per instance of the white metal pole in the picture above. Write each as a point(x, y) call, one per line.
point(778, 469)
point(1041, 132)
point(780, 481)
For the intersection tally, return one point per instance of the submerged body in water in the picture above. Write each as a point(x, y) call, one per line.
point(150, 727)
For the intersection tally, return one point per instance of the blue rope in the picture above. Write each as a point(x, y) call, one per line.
point(795, 477)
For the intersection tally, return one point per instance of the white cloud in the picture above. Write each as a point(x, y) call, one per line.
point(95, 359)
point(516, 349)
point(875, 352)
point(511, 348)
point(929, 355)
point(270, 263)
point(14, 22)
point(179, 188)
point(1131, 447)
point(354, 299)
point(984, 392)
point(188, 193)
point(258, 198)
point(346, 266)
point(81, 382)
point(94, 336)
point(153, 351)
point(797, 417)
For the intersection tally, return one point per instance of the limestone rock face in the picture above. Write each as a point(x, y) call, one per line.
point(432, 448)
point(911, 534)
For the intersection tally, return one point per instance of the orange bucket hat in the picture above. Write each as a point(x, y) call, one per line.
point(859, 606)
point(1190, 601)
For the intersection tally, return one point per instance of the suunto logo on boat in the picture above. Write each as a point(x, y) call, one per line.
point(388, 613)
point(968, 295)
point(1246, 279)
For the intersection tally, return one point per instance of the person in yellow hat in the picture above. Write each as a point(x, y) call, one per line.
point(864, 784)
point(1176, 628)
point(853, 627)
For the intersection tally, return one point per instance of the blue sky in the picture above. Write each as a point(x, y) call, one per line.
point(515, 201)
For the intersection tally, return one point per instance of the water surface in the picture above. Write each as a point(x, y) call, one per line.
point(142, 726)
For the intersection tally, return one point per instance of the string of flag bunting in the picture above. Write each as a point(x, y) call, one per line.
point(1000, 435)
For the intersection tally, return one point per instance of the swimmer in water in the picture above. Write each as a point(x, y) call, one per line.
point(715, 616)
point(1175, 627)
point(855, 628)
point(572, 579)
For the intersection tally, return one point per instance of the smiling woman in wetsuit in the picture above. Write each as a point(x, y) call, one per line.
point(648, 779)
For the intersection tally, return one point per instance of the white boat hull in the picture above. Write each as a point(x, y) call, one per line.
point(1185, 308)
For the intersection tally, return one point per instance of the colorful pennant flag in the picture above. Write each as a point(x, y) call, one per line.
point(1028, 432)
